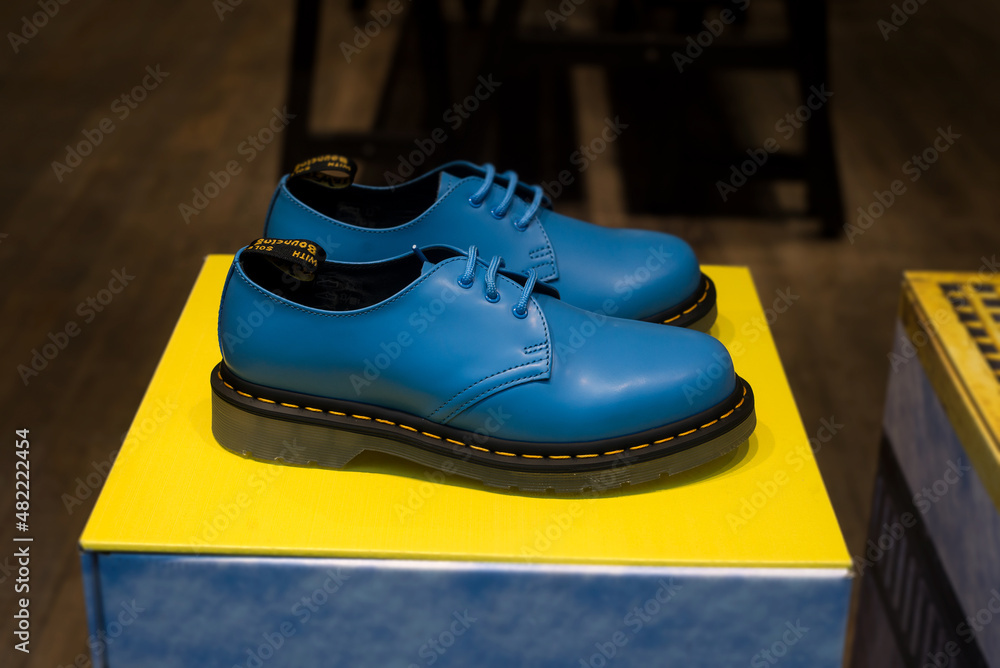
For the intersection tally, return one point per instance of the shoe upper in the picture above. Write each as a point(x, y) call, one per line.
point(632, 274)
point(426, 339)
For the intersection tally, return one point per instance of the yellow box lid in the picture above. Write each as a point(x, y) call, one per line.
point(174, 489)
point(952, 321)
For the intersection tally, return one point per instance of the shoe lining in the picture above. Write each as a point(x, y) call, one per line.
point(335, 287)
point(369, 208)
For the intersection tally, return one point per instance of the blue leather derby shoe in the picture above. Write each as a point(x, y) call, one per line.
point(631, 274)
point(449, 360)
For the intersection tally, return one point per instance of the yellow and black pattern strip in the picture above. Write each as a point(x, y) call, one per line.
point(977, 306)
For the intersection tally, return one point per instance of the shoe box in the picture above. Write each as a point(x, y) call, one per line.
point(194, 555)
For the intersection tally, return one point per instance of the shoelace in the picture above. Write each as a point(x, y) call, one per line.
point(466, 280)
point(500, 211)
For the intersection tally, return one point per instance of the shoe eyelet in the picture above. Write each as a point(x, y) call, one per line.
point(521, 226)
point(498, 216)
point(494, 298)
point(463, 284)
point(521, 315)
point(474, 204)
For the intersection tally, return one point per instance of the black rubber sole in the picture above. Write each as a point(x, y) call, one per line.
point(698, 311)
point(290, 428)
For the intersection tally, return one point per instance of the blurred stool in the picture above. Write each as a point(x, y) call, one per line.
point(930, 571)
point(518, 55)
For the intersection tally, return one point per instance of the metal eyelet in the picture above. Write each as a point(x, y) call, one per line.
point(473, 203)
point(519, 314)
point(462, 284)
point(494, 298)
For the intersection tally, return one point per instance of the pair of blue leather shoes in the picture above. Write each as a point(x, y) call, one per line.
point(462, 324)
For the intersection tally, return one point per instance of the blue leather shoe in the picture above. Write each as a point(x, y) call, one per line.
point(445, 359)
point(632, 274)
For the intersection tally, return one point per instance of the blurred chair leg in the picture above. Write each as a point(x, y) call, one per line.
point(809, 30)
point(302, 66)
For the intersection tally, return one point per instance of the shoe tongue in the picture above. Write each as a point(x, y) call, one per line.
point(438, 254)
point(446, 183)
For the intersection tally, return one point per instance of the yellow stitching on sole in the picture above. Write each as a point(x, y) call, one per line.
point(700, 300)
point(507, 454)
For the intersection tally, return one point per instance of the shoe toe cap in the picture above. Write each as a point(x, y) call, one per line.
point(627, 273)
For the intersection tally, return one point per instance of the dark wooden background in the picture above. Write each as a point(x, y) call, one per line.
point(119, 211)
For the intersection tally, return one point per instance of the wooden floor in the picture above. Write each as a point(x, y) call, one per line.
point(117, 210)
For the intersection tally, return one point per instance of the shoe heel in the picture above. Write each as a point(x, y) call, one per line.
point(255, 436)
